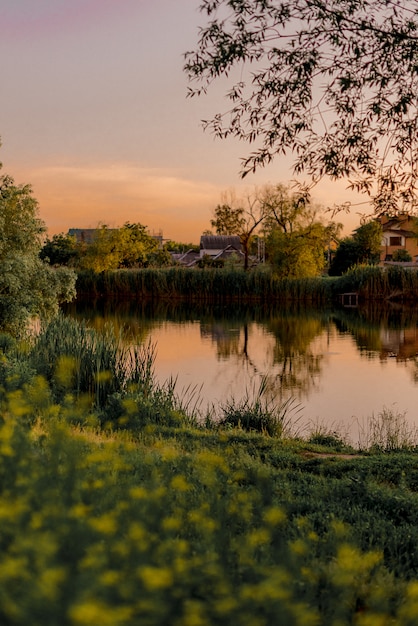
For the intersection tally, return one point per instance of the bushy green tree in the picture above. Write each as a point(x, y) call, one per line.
point(299, 254)
point(346, 256)
point(296, 239)
point(129, 246)
point(334, 82)
point(363, 247)
point(29, 287)
point(369, 239)
point(60, 250)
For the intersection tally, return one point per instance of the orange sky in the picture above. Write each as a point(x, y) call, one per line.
point(94, 115)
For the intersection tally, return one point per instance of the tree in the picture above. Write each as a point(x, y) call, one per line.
point(29, 287)
point(129, 246)
point(284, 208)
point(179, 247)
point(296, 239)
point(369, 239)
point(335, 82)
point(60, 250)
point(362, 247)
point(239, 217)
point(228, 220)
point(346, 255)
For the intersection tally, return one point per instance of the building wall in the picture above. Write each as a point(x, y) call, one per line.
point(398, 233)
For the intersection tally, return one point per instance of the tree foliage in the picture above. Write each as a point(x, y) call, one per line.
point(180, 247)
point(29, 287)
point(363, 247)
point(129, 246)
point(60, 250)
point(228, 220)
point(334, 82)
point(240, 217)
point(296, 239)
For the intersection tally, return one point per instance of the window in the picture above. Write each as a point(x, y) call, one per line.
point(395, 241)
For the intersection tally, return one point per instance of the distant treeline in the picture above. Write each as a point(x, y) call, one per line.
point(223, 285)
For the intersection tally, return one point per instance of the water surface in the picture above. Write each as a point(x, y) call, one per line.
point(339, 367)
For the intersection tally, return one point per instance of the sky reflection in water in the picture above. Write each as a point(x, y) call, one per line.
point(340, 366)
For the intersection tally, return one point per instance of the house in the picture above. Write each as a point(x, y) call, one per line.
point(83, 235)
point(188, 259)
point(88, 235)
point(220, 246)
point(399, 233)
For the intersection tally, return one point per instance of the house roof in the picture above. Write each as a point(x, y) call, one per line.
point(399, 225)
point(228, 252)
point(220, 242)
point(85, 235)
point(399, 231)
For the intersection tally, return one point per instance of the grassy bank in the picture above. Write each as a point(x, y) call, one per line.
point(190, 526)
point(224, 285)
point(119, 508)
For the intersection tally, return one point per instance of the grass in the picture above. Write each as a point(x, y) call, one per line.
point(122, 510)
point(257, 412)
point(387, 431)
point(185, 526)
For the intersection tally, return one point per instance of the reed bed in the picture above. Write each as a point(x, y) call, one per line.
point(211, 285)
point(375, 283)
point(203, 285)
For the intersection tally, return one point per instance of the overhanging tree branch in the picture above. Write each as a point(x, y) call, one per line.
point(335, 83)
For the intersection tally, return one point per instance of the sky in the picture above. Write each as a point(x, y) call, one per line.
point(94, 115)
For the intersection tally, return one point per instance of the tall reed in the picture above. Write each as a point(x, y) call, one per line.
point(205, 285)
point(74, 358)
point(377, 283)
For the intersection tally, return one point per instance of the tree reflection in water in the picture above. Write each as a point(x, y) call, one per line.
point(286, 345)
point(388, 331)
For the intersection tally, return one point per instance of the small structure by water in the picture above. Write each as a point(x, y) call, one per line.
point(349, 299)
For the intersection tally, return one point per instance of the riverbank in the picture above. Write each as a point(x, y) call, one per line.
point(185, 526)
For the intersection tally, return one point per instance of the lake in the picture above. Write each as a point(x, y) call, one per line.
point(336, 368)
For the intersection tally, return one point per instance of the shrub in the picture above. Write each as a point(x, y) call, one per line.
point(401, 255)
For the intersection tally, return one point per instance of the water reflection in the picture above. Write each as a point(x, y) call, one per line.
point(342, 363)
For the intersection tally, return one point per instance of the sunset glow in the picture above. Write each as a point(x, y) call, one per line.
point(94, 116)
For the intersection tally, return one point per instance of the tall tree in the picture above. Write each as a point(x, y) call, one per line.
point(239, 217)
point(335, 82)
point(29, 287)
point(228, 220)
point(296, 238)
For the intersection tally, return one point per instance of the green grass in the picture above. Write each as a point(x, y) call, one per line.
point(192, 526)
point(122, 510)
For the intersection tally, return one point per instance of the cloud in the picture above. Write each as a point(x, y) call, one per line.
point(84, 196)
